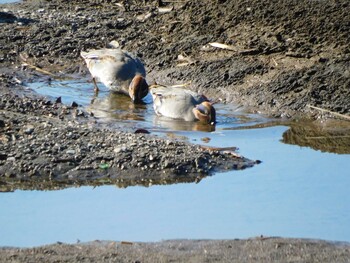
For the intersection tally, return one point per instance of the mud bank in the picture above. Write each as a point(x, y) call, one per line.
point(48, 145)
point(260, 249)
point(282, 56)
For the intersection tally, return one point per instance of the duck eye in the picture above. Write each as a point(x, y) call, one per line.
point(202, 109)
point(92, 56)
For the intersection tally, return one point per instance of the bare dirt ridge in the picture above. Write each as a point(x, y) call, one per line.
point(279, 58)
point(260, 249)
point(284, 55)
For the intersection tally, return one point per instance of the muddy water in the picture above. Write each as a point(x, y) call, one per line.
point(118, 110)
point(295, 192)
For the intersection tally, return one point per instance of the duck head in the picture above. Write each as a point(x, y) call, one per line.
point(205, 112)
point(138, 89)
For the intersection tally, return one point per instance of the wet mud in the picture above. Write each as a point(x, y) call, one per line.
point(45, 144)
point(281, 56)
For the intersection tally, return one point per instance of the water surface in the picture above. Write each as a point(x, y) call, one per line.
point(295, 192)
point(8, 1)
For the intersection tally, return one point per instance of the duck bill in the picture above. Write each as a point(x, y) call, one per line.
point(138, 89)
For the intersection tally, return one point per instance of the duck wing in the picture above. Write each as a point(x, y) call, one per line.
point(113, 66)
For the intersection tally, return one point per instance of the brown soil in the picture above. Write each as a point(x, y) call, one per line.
point(285, 55)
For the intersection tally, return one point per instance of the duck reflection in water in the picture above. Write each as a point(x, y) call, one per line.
point(182, 125)
point(116, 106)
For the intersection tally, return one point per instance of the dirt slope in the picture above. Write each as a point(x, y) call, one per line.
point(284, 55)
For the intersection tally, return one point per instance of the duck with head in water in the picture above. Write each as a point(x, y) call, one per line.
point(117, 70)
point(180, 103)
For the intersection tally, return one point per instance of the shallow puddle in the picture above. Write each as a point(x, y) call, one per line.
point(117, 110)
point(295, 192)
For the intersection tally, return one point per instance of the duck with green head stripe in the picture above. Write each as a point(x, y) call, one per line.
point(118, 71)
point(180, 103)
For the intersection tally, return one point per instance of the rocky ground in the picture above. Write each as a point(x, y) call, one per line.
point(260, 249)
point(283, 58)
point(47, 145)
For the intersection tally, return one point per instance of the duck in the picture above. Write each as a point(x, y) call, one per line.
point(117, 70)
point(181, 103)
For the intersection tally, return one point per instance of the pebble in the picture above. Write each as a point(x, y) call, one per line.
point(206, 139)
point(58, 100)
point(120, 149)
point(74, 104)
point(29, 129)
point(71, 152)
point(11, 159)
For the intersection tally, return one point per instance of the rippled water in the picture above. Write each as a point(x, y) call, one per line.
point(119, 110)
point(295, 192)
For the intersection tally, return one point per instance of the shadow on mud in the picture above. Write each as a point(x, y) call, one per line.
point(6, 17)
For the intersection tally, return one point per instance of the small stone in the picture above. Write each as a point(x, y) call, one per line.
point(205, 139)
point(3, 156)
point(74, 104)
point(199, 162)
point(167, 164)
point(117, 149)
point(59, 100)
point(29, 129)
point(120, 149)
point(9, 174)
point(27, 150)
point(142, 131)
point(70, 152)
point(323, 60)
point(79, 113)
